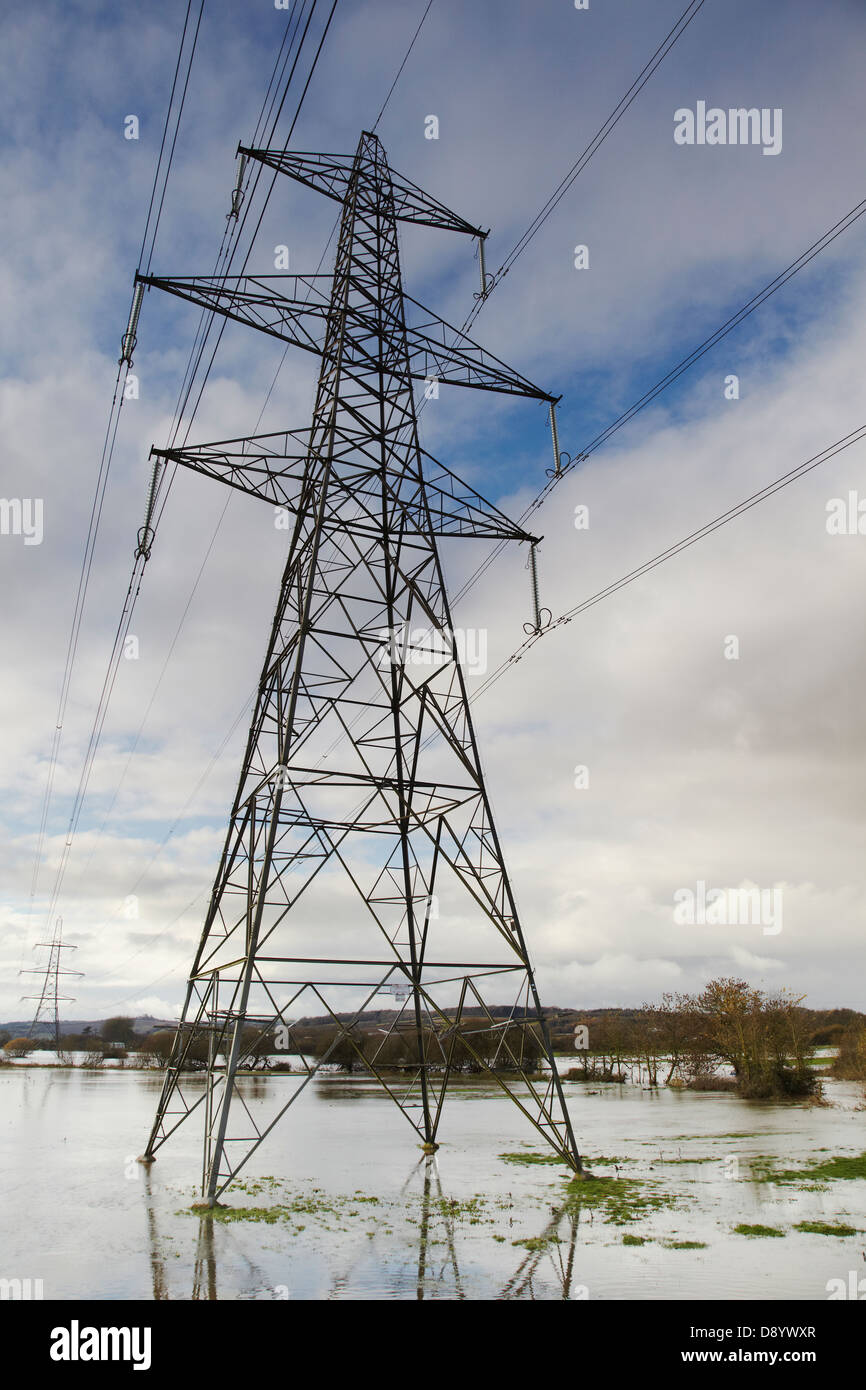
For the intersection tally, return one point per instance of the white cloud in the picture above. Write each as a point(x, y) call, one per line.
point(699, 767)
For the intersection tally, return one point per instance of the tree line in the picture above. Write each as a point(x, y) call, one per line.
point(766, 1039)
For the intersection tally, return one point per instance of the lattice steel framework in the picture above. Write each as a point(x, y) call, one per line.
point(49, 998)
point(361, 812)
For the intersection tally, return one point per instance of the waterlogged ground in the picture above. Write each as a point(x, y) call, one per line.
point(693, 1196)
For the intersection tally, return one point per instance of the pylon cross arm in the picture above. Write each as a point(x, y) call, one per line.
point(330, 174)
point(300, 322)
point(262, 467)
point(276, 481)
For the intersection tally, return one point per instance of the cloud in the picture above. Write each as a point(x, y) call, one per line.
point(700, 767)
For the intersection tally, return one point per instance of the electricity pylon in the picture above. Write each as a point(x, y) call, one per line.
point(49, 998)
point(361, 774)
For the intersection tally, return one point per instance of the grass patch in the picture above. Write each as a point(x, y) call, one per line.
point(844, 1167)
point(619, 1200)
point(270, 1215)
point(756, 1232)
point(710, 1158)
point(533, 1158)
point(735, 1134)
point(685, 1245)
point(537, 1242)
point(840, 1166)
point(289, 1207)
point(634, 1240)
point(825, 1228)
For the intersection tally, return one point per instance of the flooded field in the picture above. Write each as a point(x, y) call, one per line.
point(693, 1196)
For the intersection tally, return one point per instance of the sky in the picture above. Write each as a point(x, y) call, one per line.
point(712, 703)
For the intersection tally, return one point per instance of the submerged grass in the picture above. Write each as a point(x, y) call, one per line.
point(529, 1158)
point(619, 1200)
point(734, 1134)
point(707, 1158)
point(289, 1209)
point(844, 1167)
point(616, 1199)
point(345, 1211)
point(756, 1232)
point(825, 1228)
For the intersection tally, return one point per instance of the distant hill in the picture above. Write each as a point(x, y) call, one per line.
point(826, 1025)
point(143, 1025)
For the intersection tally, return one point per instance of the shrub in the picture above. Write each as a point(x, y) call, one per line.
point(850, 1065)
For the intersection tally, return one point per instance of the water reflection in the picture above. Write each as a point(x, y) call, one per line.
point(705, 1154)
point(429, 1268)
point(551, 1249)
point(431, 1276)
point(204, 1284)
point(431, 1185)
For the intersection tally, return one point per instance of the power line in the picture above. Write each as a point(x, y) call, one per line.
point(402, 66)
point(278, 72)
point(210, 313)
point(78, 610)
point(175, 823)
point(640, 81)
point(175, 135)
point(228, 500)
point(733, 322)
point(855, 437)
point(165, 131)
point(161, 676)
point(556, 197)
point(595, 143)
point(673, 375)
point(142, 553)
point(232, 233)
point(107, 454)
point(665, 381)
point(98, 723)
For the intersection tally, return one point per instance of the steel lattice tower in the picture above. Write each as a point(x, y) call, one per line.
point(361, 816)
point(49, 999)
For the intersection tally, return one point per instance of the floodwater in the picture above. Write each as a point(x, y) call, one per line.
point(363, 1215)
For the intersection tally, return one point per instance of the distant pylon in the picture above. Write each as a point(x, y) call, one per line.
point(49, 999)
point(361, 774)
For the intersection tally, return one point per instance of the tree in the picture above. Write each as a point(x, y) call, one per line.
point(257, 1046)
point(671, 1027)
point(850, 1064)
point(158, 1046)
point(119, 1030)
point(764, 1038)
point(345, 1053)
